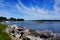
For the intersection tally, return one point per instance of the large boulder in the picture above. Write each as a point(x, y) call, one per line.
point(57, 37)
point(46, 34)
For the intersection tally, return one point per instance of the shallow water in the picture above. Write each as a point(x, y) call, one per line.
point(54, 26)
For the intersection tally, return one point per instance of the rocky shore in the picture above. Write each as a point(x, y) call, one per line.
point(18, 33)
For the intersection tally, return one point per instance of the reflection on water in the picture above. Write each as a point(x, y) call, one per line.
point(54, 26)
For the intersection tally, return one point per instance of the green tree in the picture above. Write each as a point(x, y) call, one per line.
point(20, 19)
point(12, 19)
point(3, 18)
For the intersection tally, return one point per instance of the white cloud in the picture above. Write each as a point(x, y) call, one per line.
point(57, 9)
point(35, 12)
point(3, 3)
point(5, 13)
point(7, 9)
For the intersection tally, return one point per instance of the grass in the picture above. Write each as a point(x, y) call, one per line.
point(4, 35)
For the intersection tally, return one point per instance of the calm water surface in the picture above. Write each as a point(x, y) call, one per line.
point(54, 26)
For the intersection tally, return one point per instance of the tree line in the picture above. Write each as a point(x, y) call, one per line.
point(11, 19)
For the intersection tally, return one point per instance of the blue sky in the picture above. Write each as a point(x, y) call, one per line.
point(30, 9)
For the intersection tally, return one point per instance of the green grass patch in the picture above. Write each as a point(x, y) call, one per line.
point(4, 35)
point(2, 27)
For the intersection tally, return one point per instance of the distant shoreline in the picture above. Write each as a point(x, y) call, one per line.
point(45, 20)
point(40, 20)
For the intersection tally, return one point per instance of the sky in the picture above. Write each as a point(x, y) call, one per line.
point(31, 9)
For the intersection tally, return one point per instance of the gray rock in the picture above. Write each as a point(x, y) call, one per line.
point(57, 37)
point(46, 34)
